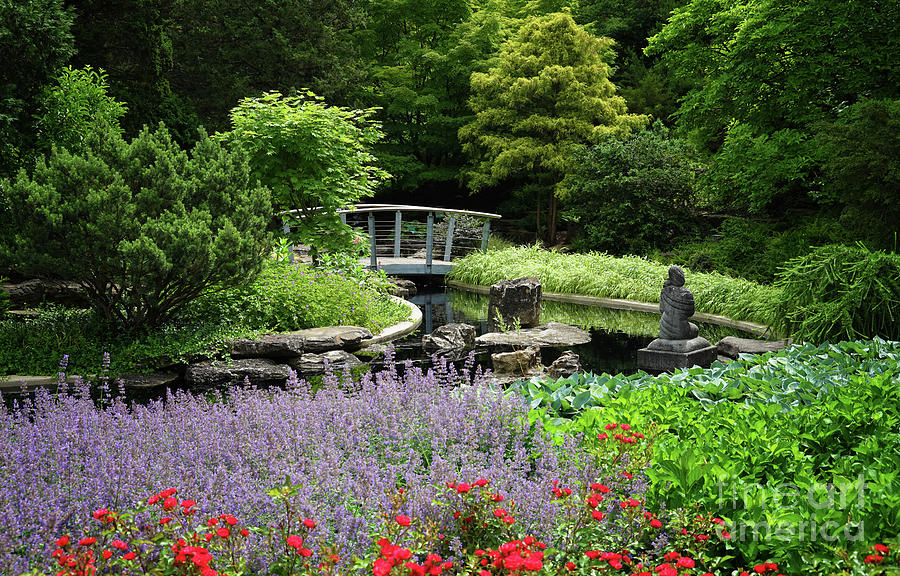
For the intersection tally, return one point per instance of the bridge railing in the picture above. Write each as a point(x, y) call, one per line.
point(433, 235)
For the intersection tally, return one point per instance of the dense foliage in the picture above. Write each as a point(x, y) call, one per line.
point(632, 195)
point(315, 158)
point(767, 79)
point(796, 450)
point(226, 451)
point(35, 41)
point(548, 94)
point(152, 226)
point(840, 292)
point(605, 276)
point(283, 297)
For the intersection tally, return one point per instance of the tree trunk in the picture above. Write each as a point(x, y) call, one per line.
point(551, 219)
point(537, 226)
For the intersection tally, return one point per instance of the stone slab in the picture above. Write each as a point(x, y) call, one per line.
point(681, 346)
point(667, 361)
point(333, 338)
point(552, 334)
point(261, 372)
point(314, 364)
point(732, 346)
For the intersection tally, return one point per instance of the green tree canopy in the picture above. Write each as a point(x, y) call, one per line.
point(35, 41)
point(143, 226)
point(548, 94)
point(764, 74)
point(633, 195)
point(316, 159)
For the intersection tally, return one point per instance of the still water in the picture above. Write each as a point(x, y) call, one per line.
point(616, 335)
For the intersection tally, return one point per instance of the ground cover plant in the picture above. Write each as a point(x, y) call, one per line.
point(796, 451)
point(283, 297)
point(630, 277)
point(76, 474)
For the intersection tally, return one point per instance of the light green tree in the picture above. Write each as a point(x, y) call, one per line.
point(548, 94)
point(315, 158)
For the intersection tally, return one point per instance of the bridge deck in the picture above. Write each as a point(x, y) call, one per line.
point(410, 266)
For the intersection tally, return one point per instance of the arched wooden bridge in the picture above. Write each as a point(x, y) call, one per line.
point(418, 240)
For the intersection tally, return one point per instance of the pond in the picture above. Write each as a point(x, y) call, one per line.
point(616, 335)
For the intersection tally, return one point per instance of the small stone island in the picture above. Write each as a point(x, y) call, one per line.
point(678, 345)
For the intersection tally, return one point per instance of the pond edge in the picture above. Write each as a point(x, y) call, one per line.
point(620, 304)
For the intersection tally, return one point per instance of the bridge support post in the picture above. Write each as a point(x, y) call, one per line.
point(373, 256)
point(448, 246)
point(429, 242)
point(398, 220)
point(485, 233)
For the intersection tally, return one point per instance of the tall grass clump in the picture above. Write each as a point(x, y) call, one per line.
point(628, 277)
point(839, 292)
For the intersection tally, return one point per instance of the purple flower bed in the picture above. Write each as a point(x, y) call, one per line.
point(61, 457)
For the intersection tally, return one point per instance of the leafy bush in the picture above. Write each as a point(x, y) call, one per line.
point(784, 439)
point(605, 276)
point(755, 250)
point(4, 299)
point(143, 226)
point(840, 292)
point(283, 297)
point(76, 109)
point(316, 159)
point(629, 196)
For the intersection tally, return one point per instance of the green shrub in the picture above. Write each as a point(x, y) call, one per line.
point(316, 159)
point(143, 226)
point(840, 292)
point(4, 299)
point(283, 297)
point(629, 196)
point(605, 276)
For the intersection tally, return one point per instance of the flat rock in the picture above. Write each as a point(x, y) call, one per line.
point(276, 346)
point(148, 380)
point(732, 346)
point(555, 334)
point(33, 292)
point(449, 337)
point(332, 338)
point(260, 371)
point(314, 364)
point(679, 346)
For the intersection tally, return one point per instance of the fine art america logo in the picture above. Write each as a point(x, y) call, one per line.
point(788, 512)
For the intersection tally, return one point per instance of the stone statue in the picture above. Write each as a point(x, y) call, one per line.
point(677, 305)
point(678, 345)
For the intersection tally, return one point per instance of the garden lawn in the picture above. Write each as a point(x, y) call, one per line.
point(629, 277)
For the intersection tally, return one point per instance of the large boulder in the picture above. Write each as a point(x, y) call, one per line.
point(518, 299)
point(555, 334)
point(314, 364)
point(277, 346)
point(524, 362)
point(449, 337)
point(333, 338)
point(260, 371)
point(732, 346)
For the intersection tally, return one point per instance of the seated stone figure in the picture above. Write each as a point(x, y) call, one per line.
point(677, 305)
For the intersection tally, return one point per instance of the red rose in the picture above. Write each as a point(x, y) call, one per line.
point(223, 532)
point(462, 488)
point(403, 520)
point(309, 523)
point(62, 541)
point(87, 541)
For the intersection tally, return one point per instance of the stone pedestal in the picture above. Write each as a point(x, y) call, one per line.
point(663, 355)
point(518, 299)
